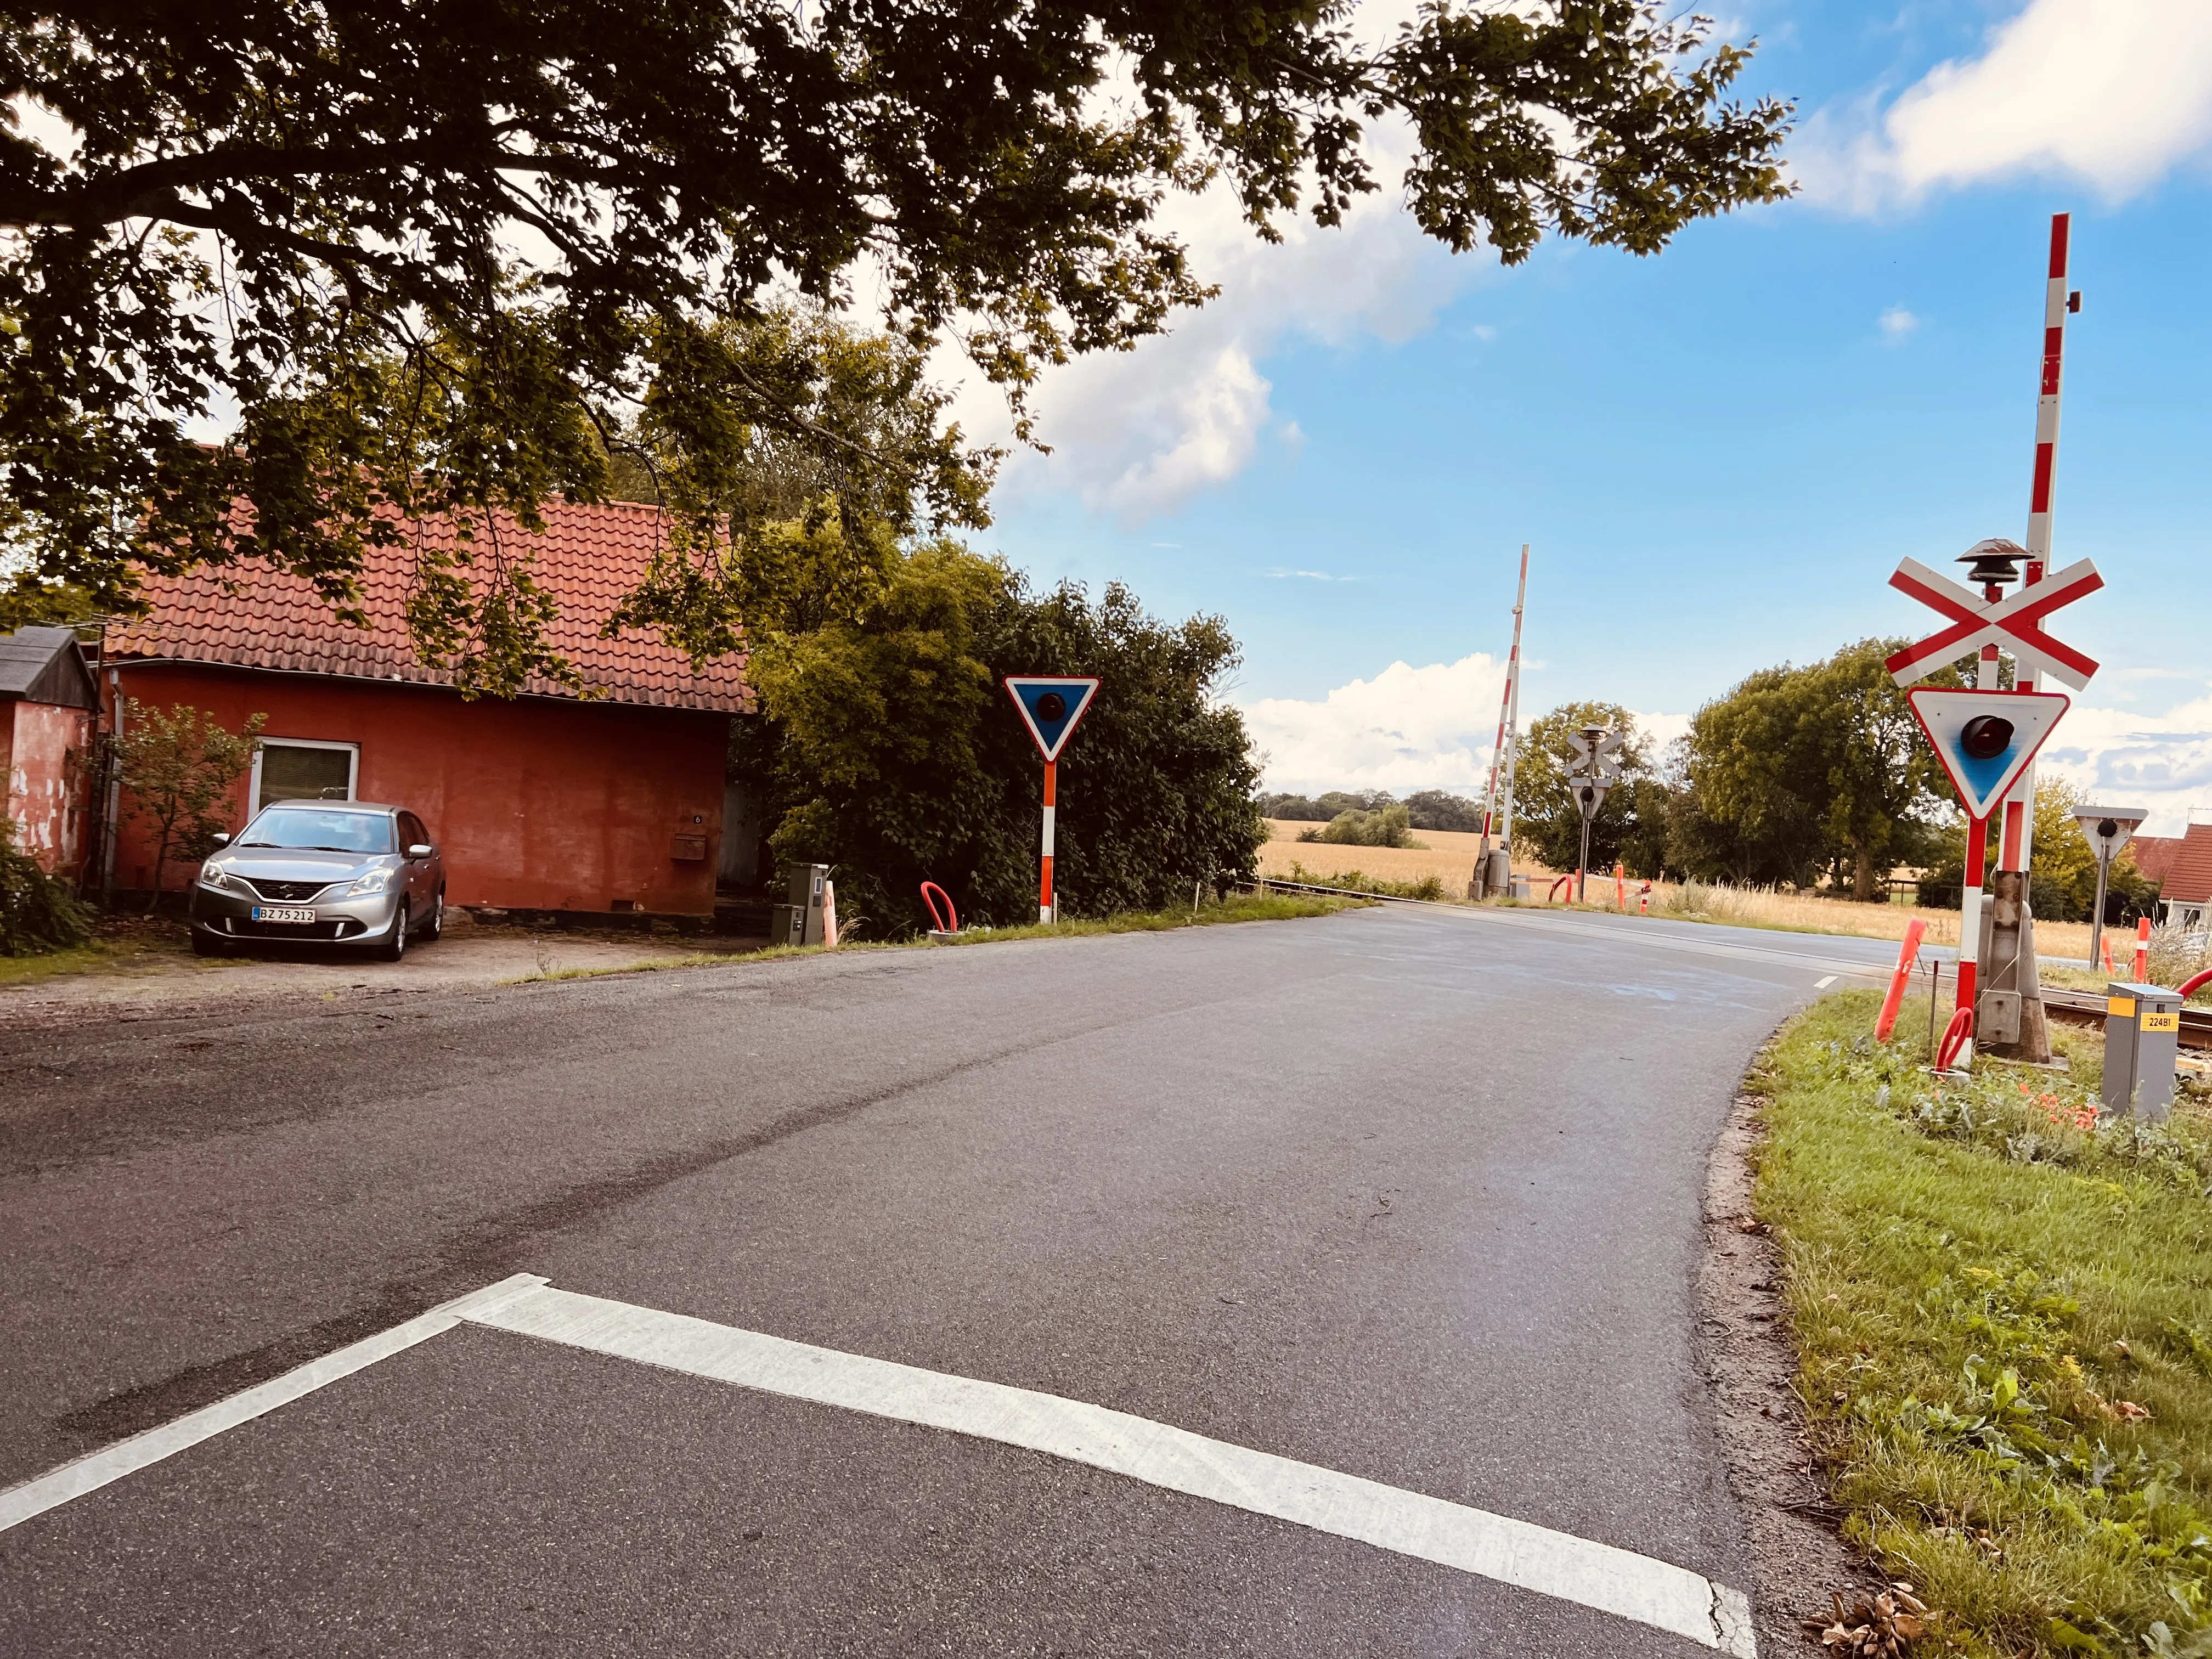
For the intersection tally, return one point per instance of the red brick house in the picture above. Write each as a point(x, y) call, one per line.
point(609, 801)
point(47, 700)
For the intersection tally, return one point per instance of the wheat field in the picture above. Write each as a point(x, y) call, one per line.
point(1448, 855)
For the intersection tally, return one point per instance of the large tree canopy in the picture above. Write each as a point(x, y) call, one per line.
point(421, 256)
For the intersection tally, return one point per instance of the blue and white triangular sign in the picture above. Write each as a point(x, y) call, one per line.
point(1985, 739)
point(1051, 704)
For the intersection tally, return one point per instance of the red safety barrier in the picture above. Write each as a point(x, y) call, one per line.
point(1915, 931)
point(2195, 983)
point(2143, 951)
point(1552, 898)
point(945, 921)
point(1956, 1036)
point(1643, 900)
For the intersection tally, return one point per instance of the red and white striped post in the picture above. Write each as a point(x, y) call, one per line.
point(2143, 952)
point(1051, 798)
point(2016, 842)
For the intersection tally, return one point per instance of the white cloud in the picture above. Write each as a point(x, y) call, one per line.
point(2120, 758)
point(1897, 322)
point(1138, 433)
point(1408, 728)
point(1280, 574)
point(2114, 93)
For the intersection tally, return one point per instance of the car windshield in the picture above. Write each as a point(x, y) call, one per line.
point(321, 832)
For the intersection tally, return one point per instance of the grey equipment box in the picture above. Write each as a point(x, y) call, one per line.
point(2142, 1038)
point(808, 885)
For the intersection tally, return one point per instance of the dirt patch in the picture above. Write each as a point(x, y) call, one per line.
point(160, 978)
point(1751, 1364)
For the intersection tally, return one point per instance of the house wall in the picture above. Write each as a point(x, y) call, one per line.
point(45, 755)
point(537, 804)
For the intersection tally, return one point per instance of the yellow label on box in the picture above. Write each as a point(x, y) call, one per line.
point(2120, 1008)
point(2170, 1020)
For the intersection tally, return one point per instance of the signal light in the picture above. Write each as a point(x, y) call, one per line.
point(1986, 736)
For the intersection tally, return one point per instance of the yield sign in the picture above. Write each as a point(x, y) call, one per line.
point(2014, 624)
point(2110, 828)
point(1050, 705)
point(1985, 739)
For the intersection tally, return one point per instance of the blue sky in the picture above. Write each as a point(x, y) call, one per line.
point(1719, 454)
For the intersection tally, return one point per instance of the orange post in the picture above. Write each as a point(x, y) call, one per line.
point(1620, 887)
point(1915, 931)
point(2143, 952)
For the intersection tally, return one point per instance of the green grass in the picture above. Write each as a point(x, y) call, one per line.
point(1238, 907)
point(1984, 1293)
point(118, 944)
point(1431, 888)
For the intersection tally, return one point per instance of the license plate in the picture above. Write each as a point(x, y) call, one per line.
point(280, 913)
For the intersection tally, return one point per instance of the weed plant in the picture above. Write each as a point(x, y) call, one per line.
point(1430, 887)
point(2003, 1308)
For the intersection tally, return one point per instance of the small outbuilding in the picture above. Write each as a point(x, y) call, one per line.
point(606, 797)
point(48, 704)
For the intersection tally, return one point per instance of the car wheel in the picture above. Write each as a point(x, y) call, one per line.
point(393, 947)
point(205, 944)
point(434, 928)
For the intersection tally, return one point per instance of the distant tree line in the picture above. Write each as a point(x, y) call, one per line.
point(1812, 776)
point(1427, 809)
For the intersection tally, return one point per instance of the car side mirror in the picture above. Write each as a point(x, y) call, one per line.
point(220, 838)
point(421, 850)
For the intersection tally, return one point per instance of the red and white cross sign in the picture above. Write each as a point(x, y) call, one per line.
point(2013, 624)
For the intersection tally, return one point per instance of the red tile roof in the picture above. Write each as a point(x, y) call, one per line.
point(2183, 864)
point(588, 558)
point(2154, 854)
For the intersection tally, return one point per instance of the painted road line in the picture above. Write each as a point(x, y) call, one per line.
point(1823, 984)
point(1554, 1564)
point(96, 1469)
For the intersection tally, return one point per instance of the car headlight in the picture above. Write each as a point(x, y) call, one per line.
point(376, 881)
point(211, 877)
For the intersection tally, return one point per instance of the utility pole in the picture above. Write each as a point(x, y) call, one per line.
point(1494, 871)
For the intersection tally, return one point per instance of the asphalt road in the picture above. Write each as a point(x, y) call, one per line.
point(1407, 1194)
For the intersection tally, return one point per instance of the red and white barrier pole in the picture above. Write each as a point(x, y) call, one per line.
point(1044, 885)
point(2143, 952)
point(1643, 900)
point(1915, 931)
point(1970, 940)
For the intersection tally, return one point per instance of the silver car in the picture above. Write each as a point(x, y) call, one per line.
point(323, 872)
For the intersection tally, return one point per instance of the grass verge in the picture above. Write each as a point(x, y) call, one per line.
point(1238, 907)
point(118, 944)
point(2004, 1311)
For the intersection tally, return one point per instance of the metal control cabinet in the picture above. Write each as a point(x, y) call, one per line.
point(809, 886)
point(2142, 1037)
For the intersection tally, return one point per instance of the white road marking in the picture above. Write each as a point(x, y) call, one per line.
point(96, 1469)
point(1517, 1553)
point(1823, 984)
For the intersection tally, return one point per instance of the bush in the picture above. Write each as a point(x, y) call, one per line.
point(37, 913)
point(1388, 826)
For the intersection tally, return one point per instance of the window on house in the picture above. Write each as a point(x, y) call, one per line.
point(304, 769)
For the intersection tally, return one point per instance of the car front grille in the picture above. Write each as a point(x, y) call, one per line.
point(288, 892)
point(241, 927)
